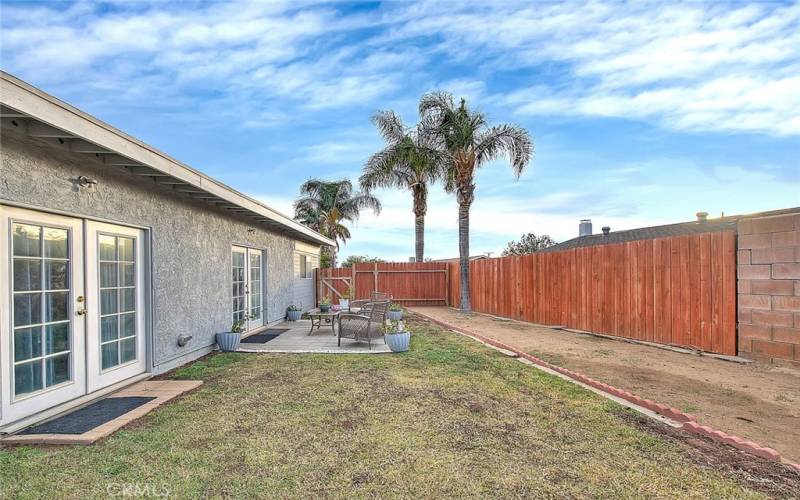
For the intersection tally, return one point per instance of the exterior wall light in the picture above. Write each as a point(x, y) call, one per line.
point(87, 182)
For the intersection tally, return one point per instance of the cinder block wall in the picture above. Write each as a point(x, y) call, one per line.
point(768, 258)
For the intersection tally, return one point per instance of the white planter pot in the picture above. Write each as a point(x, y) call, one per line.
point(228, 341)
point(293, 315)
point(344, 304)
point(394, 315)
point(397, 342)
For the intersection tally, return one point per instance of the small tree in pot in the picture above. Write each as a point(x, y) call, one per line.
point(396, 337)
point(229, 341)
point(293, 313)
point(325, 304)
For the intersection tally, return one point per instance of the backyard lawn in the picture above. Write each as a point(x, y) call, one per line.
point(449, 418)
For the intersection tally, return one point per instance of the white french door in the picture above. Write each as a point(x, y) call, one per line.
point(115, 304)
point(247, 288)
point(43, 329)
point(73, 309)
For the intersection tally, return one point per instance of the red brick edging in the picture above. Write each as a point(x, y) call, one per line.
point(688, 421)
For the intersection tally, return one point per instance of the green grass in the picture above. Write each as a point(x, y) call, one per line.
point(449, 418)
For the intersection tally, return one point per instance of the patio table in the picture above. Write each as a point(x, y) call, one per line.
point(319, 318)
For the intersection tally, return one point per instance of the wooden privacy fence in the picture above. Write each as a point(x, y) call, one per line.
point(424, 283)
point(678, 290)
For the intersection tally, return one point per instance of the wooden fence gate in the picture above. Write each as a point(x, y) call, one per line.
point(409, 283)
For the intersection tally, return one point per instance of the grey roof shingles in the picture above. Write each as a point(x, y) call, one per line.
point(678, 229)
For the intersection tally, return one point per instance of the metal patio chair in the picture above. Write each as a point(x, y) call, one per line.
point(365, 325)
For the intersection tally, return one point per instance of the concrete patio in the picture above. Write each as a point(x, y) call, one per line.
point(322, 340)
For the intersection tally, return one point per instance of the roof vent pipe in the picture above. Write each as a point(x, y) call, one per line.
point(702, 216)
point(585, 227)
point(606, 230)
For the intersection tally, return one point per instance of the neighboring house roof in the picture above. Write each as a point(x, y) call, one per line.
point(49, 119)
point(456, 259)
point(678, 229)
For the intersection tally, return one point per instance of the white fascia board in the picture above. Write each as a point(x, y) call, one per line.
point(31, 101)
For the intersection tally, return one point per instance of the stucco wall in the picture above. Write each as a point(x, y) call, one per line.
point(191, 240)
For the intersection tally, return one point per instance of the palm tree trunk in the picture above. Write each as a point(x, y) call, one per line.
point(465, 197)
point(420, 194)
point(419, 235)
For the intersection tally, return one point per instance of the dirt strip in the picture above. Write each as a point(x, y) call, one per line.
point(758, 402)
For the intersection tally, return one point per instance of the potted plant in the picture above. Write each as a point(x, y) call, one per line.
point(396, 337)
point(229, 341)
point(344, 301)
point(293, 313)
point(325, 304)
point(395, 313)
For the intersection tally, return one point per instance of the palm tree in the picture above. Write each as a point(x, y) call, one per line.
point(469, 142)
point(409, 161)
point(325, 206)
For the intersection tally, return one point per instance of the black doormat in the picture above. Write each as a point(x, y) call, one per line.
point(265, 336)
point(89, 417)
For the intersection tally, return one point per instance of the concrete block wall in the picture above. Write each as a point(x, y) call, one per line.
point(768, 260)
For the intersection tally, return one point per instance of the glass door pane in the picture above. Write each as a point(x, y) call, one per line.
point(238, 264)
point(117, 270)
point(42, 330)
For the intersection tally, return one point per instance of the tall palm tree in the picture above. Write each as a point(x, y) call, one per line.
point(325, 206)
point(469, 143)
point(409, 161)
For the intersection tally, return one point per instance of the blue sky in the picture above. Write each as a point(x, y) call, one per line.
point(641, 113)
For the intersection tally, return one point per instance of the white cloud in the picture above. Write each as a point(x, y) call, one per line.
point(727, 103)
point(686, 66)
point(288, 66)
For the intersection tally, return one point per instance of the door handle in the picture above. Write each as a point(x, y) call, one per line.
point(80, 312)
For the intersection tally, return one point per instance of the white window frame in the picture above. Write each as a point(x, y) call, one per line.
point(305, 261)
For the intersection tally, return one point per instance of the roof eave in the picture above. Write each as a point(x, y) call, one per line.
point(45, 116)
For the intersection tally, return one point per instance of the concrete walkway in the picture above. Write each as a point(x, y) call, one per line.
point(322, 340)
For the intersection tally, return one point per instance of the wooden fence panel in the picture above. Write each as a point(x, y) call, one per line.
point(678, 290)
